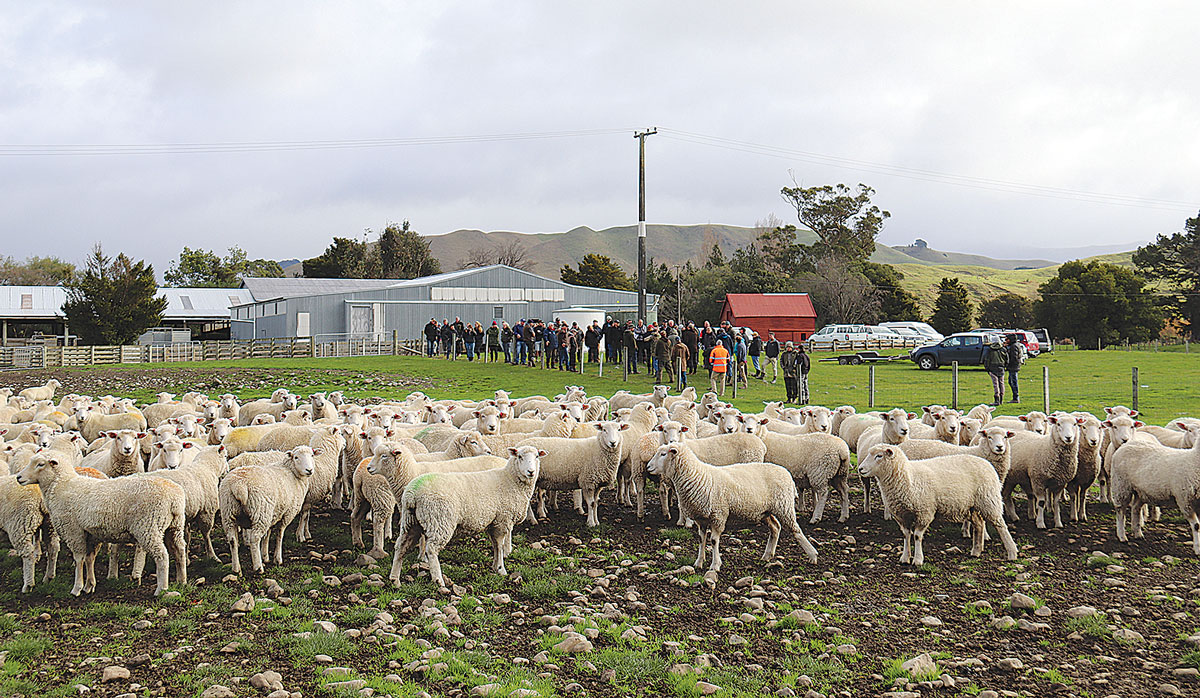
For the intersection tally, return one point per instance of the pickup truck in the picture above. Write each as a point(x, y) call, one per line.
point(965, 347)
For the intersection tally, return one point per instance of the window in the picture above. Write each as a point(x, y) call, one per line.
point(187, 302)
point(953, 342)
point(26, 301)
point(234, 300)
point(497, 312)
point(971, 341)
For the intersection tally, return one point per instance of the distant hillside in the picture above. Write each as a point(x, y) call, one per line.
point(932, 256)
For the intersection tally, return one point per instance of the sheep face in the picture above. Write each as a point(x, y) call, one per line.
point(297, 417)
point(928, 412)
point(438, 414)
point(997, 439)
point(1121, 429)
point(126, 440)
point(752, 424)
point(818, 418)
point(968, 428)
point(487, 420)
point(502, 395)
point(405, 418)
point(260, 419)
point(880, 459)
point(171, 452)
point(947, 421)
point(472, 444)
point(575, 409)
point(318, 401)
point(352, 414)
point(728, 421)
point(1120, 410)
point(525, 462)
point(336, 398)
point(791, 415)
point(41, 469)
point(301, 459)
point(896, 420)
point(374, 437)
point(610, 434)
point(290, 402)
point(661, 391)
point(671, 431)
point(1089, 431)
point(1035, 422)
point(663, 461)
point(1064, 428)
point(41, 435)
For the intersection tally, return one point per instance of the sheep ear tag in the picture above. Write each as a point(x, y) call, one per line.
point(512, 450)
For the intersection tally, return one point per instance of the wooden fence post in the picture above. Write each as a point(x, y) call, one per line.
point(871, 386)
point(1135, 388)
point(1046, 389)
point(954, 385)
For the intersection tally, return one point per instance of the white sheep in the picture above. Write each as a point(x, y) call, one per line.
point(172, 452)
point(588, 465)
point(371, 493)
point(200, 478)
point(87, 512)
point(435, 505)
point(710, 495)
point(395, 462)
point(327, 444)
point(466, 445)
point(1146, 473)
point(254, 499)
point(641, 453)
point(894, 429)
point(24, 518)
point(43, 392)
point(1042, 465)
point(623, 398)
point(1035, 422)
point(229, 408)
point(485, 420)
point(1087, 467)
point(1119, 429)
point(981, 412)
point(968, 429)
point(959, 488)
point(93, 422)
point(122, 457)
point(250, 410)
point(245, 439)
point(853, 426)
point(218, 429)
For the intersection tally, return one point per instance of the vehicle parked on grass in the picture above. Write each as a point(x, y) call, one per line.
point(1043, 338)
point(845, 335)
point(922, 328)
point(964, 347)
point(1028, 338)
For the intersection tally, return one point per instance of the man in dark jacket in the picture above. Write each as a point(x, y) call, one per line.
point(613, 338)
point(662, 353)
point(591, 338)
point(447, 338)
point(530, 343)
point(789, 360)
point(1015, 355)
point(771, 350)
point(691, 340)
point(493, 341)
point(755, 350)
point(630, 346)
point(431, 337)
point(994, 361)
point(519, 342)
point(802, 382)
point(506, 341)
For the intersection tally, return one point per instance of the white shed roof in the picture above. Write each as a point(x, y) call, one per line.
point(45, 302)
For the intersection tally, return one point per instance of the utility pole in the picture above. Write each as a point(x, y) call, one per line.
point(678, 292)
point(641, 136)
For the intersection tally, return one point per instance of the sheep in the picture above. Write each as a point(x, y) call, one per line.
point(928, 412)
point(688, 394)
point(1119, 429)
point(894, 430)
point(326, 445)
point(709, 495)
point(218, 429)
point(641, 453)
point(465, 445)
point(92, 422)
point(486, 420)
point(439, 414)
point(839, 415)
point(24, 518)
point(968, 429)
point(321, 407)
point(854, 425)
point(597, 409)
point(254, 499)
point(556, 425)
point(958, 487)
point(33, 433)
point(243, 439)
point(355, 451)
point(1168, 436)
point(229, 408)
point(1087, 464)
point(588, 465)
point(946, 426)
point(435, 505)
point(159, 413)
point(981, 412)
point(641, 419)
point(200, 478)
point(816, 462)
point(624, 398)
point(122, 457)
point(44, 392)
point(250, 410)
point(86, 512)
point(373, 493)
point(1033, 421)
point(1148, 473)
point(172, 452)
point(285, 437)
point(395, 462)
point(1042, 465)
point(718, 449)
point(686, 413)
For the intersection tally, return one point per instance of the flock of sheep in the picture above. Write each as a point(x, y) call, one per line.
point(92, 471)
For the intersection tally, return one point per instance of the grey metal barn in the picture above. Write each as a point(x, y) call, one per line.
point(334, 309)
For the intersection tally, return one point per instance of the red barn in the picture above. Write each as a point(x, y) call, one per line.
point(788, 315)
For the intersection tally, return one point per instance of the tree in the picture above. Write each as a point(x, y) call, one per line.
point(204, 269)
point(404, 254)
point(1097, 302)
point(845, 221)
point(344, 259)
point(953, 309)
point(112, 301)
point(716, 258)
point(839, 292)
point(895, 304)
point(1174, 262)
point(511, 253)
point(597, 271)
point(35, 271)
point(1007, 311)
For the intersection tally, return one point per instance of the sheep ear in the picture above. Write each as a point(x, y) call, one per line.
point(1009, 434)
point(623, 427)
point(925, 408)
point(512, 450)
point(187, 444)
point(1106, 423)
point(541, 453)
point(683, 429)
point(1052, 419)
point(936, 416)
point(157, 445)
point(1133, 413)
point(673, 449)
point(317, 451)
point(111, 434)
point(1080, 420)
point(658, 428)
point(503, 415)
point(598, 425)
point(389, 432)
point(200, 420)
point(911, 415)
point(1023, 418)
point(221, 448)
point(141, 435)
point(1139, 424)
point(764, 420)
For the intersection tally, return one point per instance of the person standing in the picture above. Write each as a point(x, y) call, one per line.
point(591, 339)
point(802, 380)
point(680, 360)
point(790, 362)
point(506, 340)
point(771, 349)
point(719, 359)
point(755, 349)
point(739, 353)
point(431, 338)
point(994, 361)
point(493, 341)
point(1015, 355)
point(630, 346)
point(519, 342)
point(691, 340)
point(613, 337)
point(530, 345)
point(662, 354)
point(447, 337)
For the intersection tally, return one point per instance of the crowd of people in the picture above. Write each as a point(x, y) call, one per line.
point(727, 353)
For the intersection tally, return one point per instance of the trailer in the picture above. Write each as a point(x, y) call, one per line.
point(863, 357)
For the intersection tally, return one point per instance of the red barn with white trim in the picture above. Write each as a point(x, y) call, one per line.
point(789, 315)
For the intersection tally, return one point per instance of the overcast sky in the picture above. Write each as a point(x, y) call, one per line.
point(907, 97)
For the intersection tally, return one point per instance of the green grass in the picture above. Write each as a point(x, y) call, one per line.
point(1079, 380)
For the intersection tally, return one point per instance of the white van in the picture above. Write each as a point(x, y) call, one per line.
point(922, 328)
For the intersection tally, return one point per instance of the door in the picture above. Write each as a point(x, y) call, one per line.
point(362, 320)
point(302, 325)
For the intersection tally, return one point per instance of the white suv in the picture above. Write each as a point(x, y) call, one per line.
point(922, 328)
point(845, 336)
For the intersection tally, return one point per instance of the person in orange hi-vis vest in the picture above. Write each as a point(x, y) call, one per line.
point(720, 365)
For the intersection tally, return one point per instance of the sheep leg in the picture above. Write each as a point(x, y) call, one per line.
point(843, 487)
point(1010, 506)
point(89, 567)
point(683, 518)
point(1056, 502)
point(139, 564)
point(664, 496)
point(408, 539)
point(772, 537)
point(508, 541)
point(52, 548)
point(866, 486)
point(357, 514)
point(977, 529)
point(802, 539)
point(1137, 512)
point(279, 542)
point(1157, 513)
point(905, 552)
point(28, 550)
point(180, 551)
point(592, 498)
point(541, 512)
point(254, 541)
point(380, 528)
point(79, 552)
point(703, 531)
point(640, 483)
point(918, 546)
point(113, 561)
point(717, 530)
point(577, 499)
point(231, 536)
point(301, 535)
point(1082, 504)
point(1194, 523)
point(821, 492)
point(1039, 501)
point(529, 515)
point(497, 537)
point(162, 561)
point(435, 565)
point(1121, 513)
point(883, 503)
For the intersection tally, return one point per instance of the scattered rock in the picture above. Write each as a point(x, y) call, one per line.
point(267, 679)
point(1169, 689)
point(218, 691)
point(931, 621)
point(324, 626)
point(485, 689)
point(1021, 602)
point(245, 604)
point(922, 664)
point(1011, 664)
point(706, 689)
point(1004, 623)
point(114, 673)
point(735, 640)
point(1082, 612)
point(351, 685)
point(574, 644)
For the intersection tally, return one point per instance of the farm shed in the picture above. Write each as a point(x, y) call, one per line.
point(789, 315)
point(333, 309)
point(27, 312)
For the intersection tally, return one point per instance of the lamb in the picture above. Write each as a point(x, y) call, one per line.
point(199, 479)
point(946, 426)
point(687, 414)
point(465, 445)
point(298, 417)
point(440, 414)
point(373, 493)
point(288, 436)
point(816, 461)
point(641, 453)
point(958, 487)
point(840, 414)
point(23, 517)
point(718, 449)
point(172, 452)
point(597, 409)
point(992, 446)
point(321, 407)
point(229, 408)
point(395, 462)
point(1147, 473)
point(1042, 465)
point(44, 392)
point(1119, 429)
point(356, 450)
point(1033, 421)
point(981, 412)
point(928, 411)
point(327, 445)
point(893, 430)
point(709, 495)
point(1087, 465)
point(640, 420)
point(435, 505)
point(624, 398)
point(853, 426)
point(122, 457)
point(218, 429)
point(485, 420)
point(245, 439)
point(254, 499)
point(588, 465)
point(1170, 437)
point(688, 394)
point(92, 422)
point(968, 429)
point(86, 512)
point(250, 410)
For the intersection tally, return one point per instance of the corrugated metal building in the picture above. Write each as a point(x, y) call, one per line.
point(330, 309)
point(26, 311)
